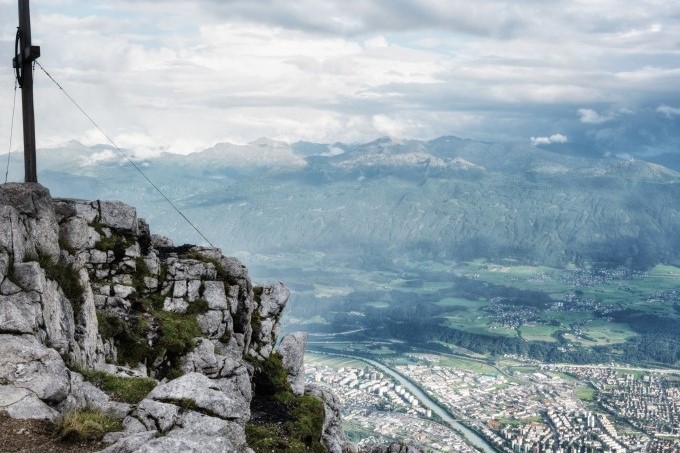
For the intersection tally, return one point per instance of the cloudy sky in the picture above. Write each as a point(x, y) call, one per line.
point(184, 75)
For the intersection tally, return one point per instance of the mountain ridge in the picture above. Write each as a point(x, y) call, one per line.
point(451, 197)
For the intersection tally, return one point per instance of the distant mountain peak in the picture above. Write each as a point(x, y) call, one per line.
point(265, 141)
point(71, 144)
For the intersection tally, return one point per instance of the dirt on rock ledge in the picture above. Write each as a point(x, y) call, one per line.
point(37, 436)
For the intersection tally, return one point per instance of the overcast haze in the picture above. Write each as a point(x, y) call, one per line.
point(184, 75)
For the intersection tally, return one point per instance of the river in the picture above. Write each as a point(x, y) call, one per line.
point(472, 437)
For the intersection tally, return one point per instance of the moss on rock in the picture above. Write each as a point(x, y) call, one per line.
point(293, 423)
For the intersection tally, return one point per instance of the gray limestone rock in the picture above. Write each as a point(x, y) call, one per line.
point(158, 416)
point(28, 364)
point(64, 208)
point(213, 293)
point(133, 251)
point(213, 323)
point(19, 314)
point(273, 300)
point(150, 283)
point(132, 443)
point(4, 263)
point(27, 221)
point(333, 437)
point(158, 241)
point(153, 264)
point(123, 291)
point(70, 207)
point(234, 268)
point(77, 234)
point(292, 351)
point(58, 317)
point(182, 430)
point(189, 269)
point(8, 287)
point(118, 216)
point(218, 397)
point(132, 425)
point(193, 289)
point(98, 256)
point(179, 289)
point(177, 305)
point(202, 359)
point(29, 276)
point(12, 234)
point(87, 326)
point(186, 441)
point(206, 409)
point(270, 302)
point(204, 424)
point(24, 404)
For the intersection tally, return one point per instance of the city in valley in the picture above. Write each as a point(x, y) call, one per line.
point(510, 405)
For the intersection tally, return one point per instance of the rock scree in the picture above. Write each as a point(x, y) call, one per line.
point(120, 340)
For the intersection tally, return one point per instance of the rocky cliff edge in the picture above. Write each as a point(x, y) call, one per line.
point(173, 344)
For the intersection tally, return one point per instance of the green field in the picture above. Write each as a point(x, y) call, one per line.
point(585, 394)
point(472, 366)
point(479, 298)
point(539, 332)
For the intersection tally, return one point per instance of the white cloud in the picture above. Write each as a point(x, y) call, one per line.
point(590, 116)
point(183, 76)
point(102, 156)
point(554, 138)
point(668, 111)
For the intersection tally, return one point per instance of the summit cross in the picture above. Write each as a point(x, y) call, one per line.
point(24, 55)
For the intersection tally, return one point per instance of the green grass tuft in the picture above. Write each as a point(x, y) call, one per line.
point(85, 425)
point(127, 389)
point(198, 307)
point(141, 271)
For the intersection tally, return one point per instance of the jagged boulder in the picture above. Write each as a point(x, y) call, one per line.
point(28, 221)
point(292, 352)
point(33, 378)
point(222, 397)
point(28, 364)
point(19, 312)
point(23, 404)
point(333, 437)
point(269, 304)
point(193, 414)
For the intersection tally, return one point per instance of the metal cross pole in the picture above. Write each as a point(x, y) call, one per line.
point(25, 54)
